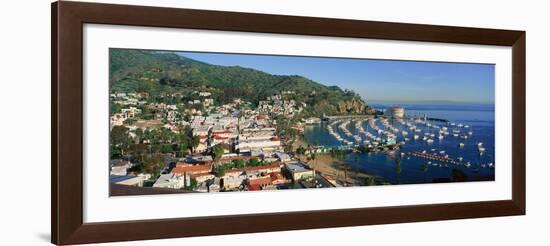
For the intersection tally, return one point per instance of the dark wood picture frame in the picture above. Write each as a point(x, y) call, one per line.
point(67, 124)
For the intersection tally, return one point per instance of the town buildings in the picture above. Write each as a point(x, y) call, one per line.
point(244, 134)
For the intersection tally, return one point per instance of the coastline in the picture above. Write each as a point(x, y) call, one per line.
point(328, 165)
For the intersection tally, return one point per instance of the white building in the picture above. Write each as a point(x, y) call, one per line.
point(169, 180)
point(298, 170)
point(129, 180)
point(232, 182)
point(283, 157)
point(273, 143)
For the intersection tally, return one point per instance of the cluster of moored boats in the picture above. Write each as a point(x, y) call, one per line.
point(343, 127)
point(363, 136)
point(419, 129)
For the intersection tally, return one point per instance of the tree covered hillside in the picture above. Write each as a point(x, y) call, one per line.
point(161, 72)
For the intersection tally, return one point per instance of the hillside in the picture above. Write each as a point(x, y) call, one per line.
point(160, 72)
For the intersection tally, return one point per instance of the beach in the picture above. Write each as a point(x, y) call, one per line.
point(345, 175)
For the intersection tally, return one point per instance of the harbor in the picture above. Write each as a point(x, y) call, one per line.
point(426, 149)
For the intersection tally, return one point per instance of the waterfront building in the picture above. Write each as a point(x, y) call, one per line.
point(298, 170)
point(396, 112)
point(282, 156)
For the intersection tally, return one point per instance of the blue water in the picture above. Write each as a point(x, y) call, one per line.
point(479, 117)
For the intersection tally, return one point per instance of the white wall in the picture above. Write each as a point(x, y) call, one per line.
point(25, 121)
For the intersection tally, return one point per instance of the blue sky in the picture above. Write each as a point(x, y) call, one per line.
point(376, 80)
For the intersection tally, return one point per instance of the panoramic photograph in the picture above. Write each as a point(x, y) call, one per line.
point(197, 122)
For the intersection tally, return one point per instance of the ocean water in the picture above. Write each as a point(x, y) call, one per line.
point(479, 117)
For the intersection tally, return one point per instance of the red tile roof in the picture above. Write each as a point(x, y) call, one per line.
point(221, 132)
point(254, 187)
point(192, 169)
point(260, 181)
point(276, 176)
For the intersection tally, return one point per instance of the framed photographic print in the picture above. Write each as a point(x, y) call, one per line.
point(174, 122)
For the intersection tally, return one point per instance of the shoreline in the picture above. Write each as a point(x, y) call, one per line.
point(327, 164)
point(344, 175)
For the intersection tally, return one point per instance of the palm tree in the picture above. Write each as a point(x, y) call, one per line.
point(312, 160)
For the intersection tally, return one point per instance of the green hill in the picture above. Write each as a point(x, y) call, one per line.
point(162, 72)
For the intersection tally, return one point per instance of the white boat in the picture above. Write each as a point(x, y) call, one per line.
point(416, 137)
point(430, 141)
point(461, 145)
point(440, 137)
